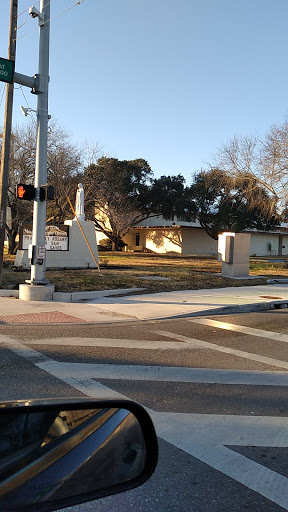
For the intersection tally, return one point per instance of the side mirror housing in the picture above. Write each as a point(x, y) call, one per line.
point(55, 453)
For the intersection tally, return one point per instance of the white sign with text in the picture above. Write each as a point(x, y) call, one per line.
point(56, 238)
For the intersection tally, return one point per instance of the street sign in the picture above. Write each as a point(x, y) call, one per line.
point(41, 252)
point(6, 70)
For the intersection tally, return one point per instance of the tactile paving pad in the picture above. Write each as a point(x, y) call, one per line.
point(51, 317)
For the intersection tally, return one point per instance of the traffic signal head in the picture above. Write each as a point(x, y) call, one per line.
point(26, 192)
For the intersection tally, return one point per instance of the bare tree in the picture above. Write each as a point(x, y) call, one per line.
point(238, 155)
point(115, 217)
point(242, 157)
point(91, 151)
point(22, 164)
point(65, 166)
point(274, 162)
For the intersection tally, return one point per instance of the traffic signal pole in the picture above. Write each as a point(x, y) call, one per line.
point(39, 84)
point(38, 260)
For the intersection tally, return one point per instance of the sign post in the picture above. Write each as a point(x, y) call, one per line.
point(39, 84)
point(39, 212)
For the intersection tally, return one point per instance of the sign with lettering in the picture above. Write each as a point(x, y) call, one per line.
point(6, 70)
point(56, 237)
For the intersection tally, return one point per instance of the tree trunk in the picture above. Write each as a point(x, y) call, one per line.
point(116, 243)
point(12, 245)
point(208, 230)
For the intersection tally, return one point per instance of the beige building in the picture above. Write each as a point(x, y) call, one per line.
point(162, 236)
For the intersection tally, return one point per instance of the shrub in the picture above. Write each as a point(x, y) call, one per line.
point(105, 245)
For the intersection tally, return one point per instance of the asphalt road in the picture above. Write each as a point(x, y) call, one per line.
point(216, 388)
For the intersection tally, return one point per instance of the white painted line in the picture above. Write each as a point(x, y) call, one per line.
point(110, 343)
point(254, 476)
point(238, 353)
point(239, 430)
point(21, 350)
point(87, 386)
point(277, 336)
point(166, 374)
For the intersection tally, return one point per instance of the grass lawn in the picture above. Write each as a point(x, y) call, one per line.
point(133, 270)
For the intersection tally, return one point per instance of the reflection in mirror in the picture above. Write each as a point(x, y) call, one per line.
point(51, 455)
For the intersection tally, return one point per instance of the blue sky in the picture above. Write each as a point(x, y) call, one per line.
point(163, 80)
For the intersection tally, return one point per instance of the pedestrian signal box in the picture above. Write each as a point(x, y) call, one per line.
point(46, 193)
point(25, 192)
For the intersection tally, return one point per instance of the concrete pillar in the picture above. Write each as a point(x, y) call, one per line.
point(234, 252)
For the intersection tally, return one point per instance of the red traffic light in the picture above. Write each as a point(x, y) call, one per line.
point(26, 192)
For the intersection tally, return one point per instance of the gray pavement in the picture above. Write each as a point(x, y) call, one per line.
point(103, 308)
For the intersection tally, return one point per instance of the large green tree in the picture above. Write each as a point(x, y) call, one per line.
point(119, 195)
point(171, 198)
point(227, 203)
point(125, 193)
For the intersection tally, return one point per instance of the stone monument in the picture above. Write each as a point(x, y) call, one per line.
point(82, 245)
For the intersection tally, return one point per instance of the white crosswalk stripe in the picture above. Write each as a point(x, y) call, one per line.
point(240, 328)
point(111, 343)
point(168, 374)
point(192, 342)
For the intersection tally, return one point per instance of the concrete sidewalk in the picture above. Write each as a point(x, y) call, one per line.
point(144, 307)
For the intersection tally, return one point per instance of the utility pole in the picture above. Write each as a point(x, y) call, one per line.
point(5, 155)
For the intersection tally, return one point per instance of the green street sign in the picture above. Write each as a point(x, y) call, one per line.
point(6, 70)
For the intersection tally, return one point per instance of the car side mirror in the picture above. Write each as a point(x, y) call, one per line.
point(55, 453)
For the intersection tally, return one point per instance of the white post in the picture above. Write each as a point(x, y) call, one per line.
point(38, 262)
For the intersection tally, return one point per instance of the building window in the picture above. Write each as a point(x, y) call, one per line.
point(137, 239)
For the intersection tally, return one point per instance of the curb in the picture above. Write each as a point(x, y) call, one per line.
point(233, 309)
point(77, 296)
point(9, 293)
point(97, 294)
